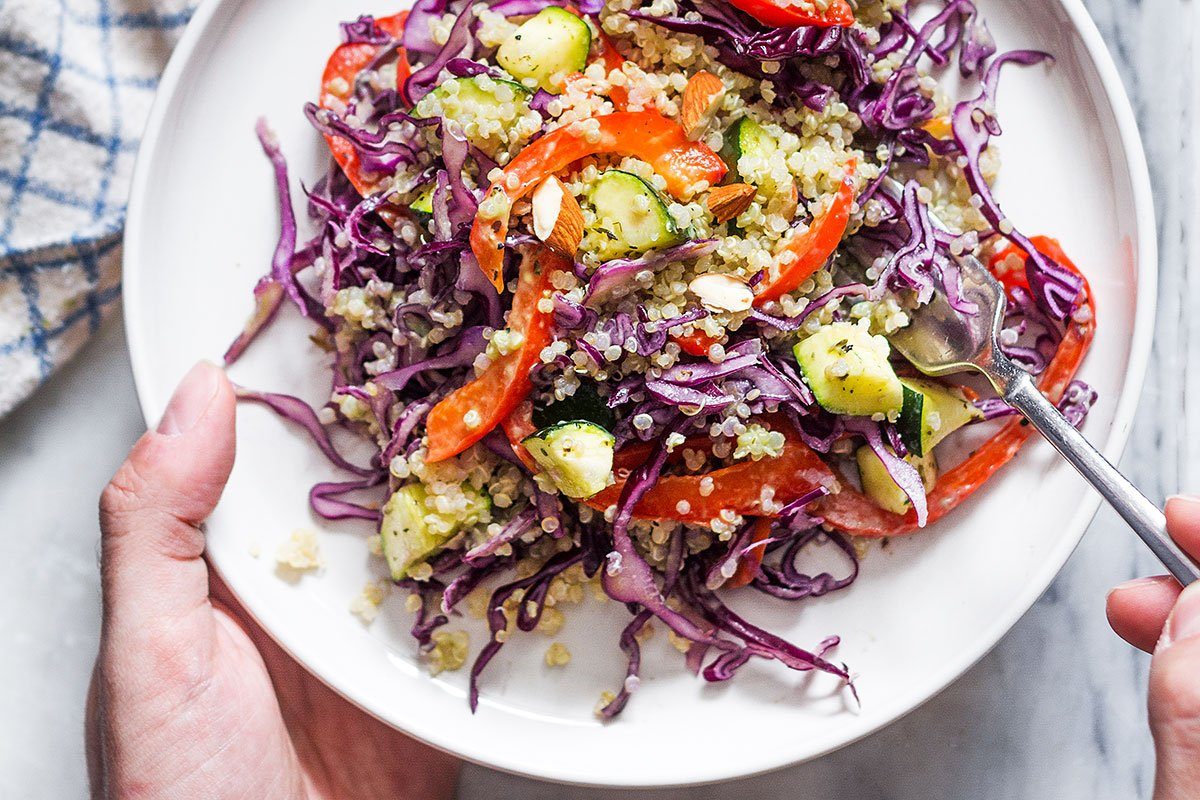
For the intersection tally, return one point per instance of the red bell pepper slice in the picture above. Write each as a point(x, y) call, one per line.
point(784, 14)
point(695, 343)
point(632, 455)
point(737, 488)
point(1016, 278)
point(505, 384)
point(853, 512)
point(752, 557)
point(647, 135)
point(612, 58)
point(337, 83)
point(518, 426)
point(810, 250)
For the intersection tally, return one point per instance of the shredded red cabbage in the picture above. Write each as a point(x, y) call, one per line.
point(325, 499)
point(534, 590)
point(364, 31)
point(296, 410)
point(615, 277)
point(974, 122)
point(745, 45)
point(460, 44)
point(418, 31)
point(279, 282)
point(785, 581)
point(903, 473)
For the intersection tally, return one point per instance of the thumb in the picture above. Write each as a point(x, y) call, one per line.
point(151, 543)
point(1175, 701)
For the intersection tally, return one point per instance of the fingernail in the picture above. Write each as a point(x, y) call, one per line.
point(1184, 622)
point(1136, 583)
point(1187, 503)
point(191, 399)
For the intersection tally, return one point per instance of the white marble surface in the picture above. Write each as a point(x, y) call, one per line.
point(1056, 710)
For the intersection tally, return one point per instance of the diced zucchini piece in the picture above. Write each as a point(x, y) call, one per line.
point(931, 412)
point(577, 455)
point(412, 532)
point(424, 202)
point(631, 217)
point(585, 404)
point(848, 371)
point(908, 424)
point(879, 486)
point(746, 137)
point(547, 47)
point(460, 100)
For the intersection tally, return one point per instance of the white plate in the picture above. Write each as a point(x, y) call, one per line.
point(202, 225)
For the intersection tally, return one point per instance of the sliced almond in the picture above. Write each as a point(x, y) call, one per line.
point(788, 204)
point(722, 293)
point(701, 98)
point(547, 205)
point(727, 202)
point(557, 217)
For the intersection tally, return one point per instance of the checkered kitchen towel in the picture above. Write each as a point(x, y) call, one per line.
point(76, 81)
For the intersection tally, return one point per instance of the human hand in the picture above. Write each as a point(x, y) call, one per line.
point(189, 697)
point(1156, 616)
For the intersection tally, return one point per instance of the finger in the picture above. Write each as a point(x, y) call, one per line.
point(317, 719)
point(1137, 610)
point(1183, 522)
point(93, 748)
point(150, 513)
point(1175, 701)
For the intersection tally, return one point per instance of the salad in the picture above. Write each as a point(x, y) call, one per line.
point(609, 287)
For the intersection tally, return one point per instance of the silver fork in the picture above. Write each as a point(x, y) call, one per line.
point(940, 341)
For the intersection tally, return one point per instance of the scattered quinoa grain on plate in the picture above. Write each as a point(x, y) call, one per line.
point(449, 651)
point(366, 604)
point(300, 552)
point(557, 655)
point(609, 287)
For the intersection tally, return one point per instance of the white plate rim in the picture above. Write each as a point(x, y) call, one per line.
point(1126, 407)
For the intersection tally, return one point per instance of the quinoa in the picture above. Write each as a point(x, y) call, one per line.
point(449, 651)
point(366, 604)
point(557, 655)
point(299, 553)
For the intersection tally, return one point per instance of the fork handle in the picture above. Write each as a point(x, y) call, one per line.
point(1143, 516)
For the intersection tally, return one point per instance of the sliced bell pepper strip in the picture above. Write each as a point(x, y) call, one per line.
point(609, 53)
point(647, 135)
point(631, 455)
point(752, 557)
point(337, 84)
point(736, 488)
point(809, 251)
point(695, 343)
point(784, 14)
point(1016, 278)
point(853, 512)
point(470, 412)
point(612, 59)
point(518, 426)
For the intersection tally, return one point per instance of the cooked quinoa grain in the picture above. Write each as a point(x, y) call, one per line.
point(299, 553)
point(557, 655)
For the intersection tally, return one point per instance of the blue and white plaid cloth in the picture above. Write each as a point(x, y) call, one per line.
point(76, 81)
